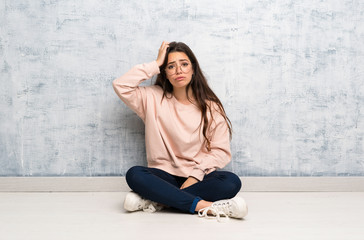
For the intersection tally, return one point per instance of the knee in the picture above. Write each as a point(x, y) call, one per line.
point(232, 183)
point(133, 175)
point(236, 182)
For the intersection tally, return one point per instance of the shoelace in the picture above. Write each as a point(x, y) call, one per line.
point(216, 212)
point(151, 207)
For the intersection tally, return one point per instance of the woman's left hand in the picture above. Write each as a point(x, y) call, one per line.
point(189, 182)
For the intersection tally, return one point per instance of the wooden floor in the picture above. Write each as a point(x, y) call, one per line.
point(99, 215)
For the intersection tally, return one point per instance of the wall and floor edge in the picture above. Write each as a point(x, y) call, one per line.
point(116, 184)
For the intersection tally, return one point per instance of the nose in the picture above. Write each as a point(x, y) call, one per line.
point(179, 69)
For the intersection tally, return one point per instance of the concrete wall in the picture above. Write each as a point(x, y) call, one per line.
point(289, 73)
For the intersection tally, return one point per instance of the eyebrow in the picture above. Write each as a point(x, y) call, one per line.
point(179, 60)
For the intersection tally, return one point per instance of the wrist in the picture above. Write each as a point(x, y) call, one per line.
point(159, 63)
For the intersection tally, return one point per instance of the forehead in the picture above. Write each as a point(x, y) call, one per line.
point(177, 56)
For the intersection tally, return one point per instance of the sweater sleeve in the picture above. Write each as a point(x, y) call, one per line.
point(126, 86)
point(220, 155)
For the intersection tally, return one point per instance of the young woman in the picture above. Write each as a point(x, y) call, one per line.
point(187, 135)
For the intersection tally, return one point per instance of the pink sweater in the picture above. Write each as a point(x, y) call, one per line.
point(173, 136)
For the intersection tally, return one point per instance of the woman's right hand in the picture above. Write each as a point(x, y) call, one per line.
point(162, 53)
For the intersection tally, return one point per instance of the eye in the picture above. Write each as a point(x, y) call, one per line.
point(170, 67)
point(185, 64)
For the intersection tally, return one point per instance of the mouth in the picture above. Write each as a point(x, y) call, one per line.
point(179, 78)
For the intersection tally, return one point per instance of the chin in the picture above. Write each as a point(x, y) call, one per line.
point(180, 85)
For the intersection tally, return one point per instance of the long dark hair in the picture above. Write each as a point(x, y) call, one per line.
point(202, 93)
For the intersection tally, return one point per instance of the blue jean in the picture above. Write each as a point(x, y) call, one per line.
point(161, 187)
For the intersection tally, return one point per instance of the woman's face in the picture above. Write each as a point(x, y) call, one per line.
point(179, 69)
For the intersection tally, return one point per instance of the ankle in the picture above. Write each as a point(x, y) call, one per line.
point(202, 204)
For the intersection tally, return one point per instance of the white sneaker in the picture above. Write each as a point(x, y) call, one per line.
point(133, 202)
point(234, 208)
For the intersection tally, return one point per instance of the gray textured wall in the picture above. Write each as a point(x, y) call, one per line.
point(290, 74)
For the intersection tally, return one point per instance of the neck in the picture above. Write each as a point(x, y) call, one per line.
point(181, 96)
